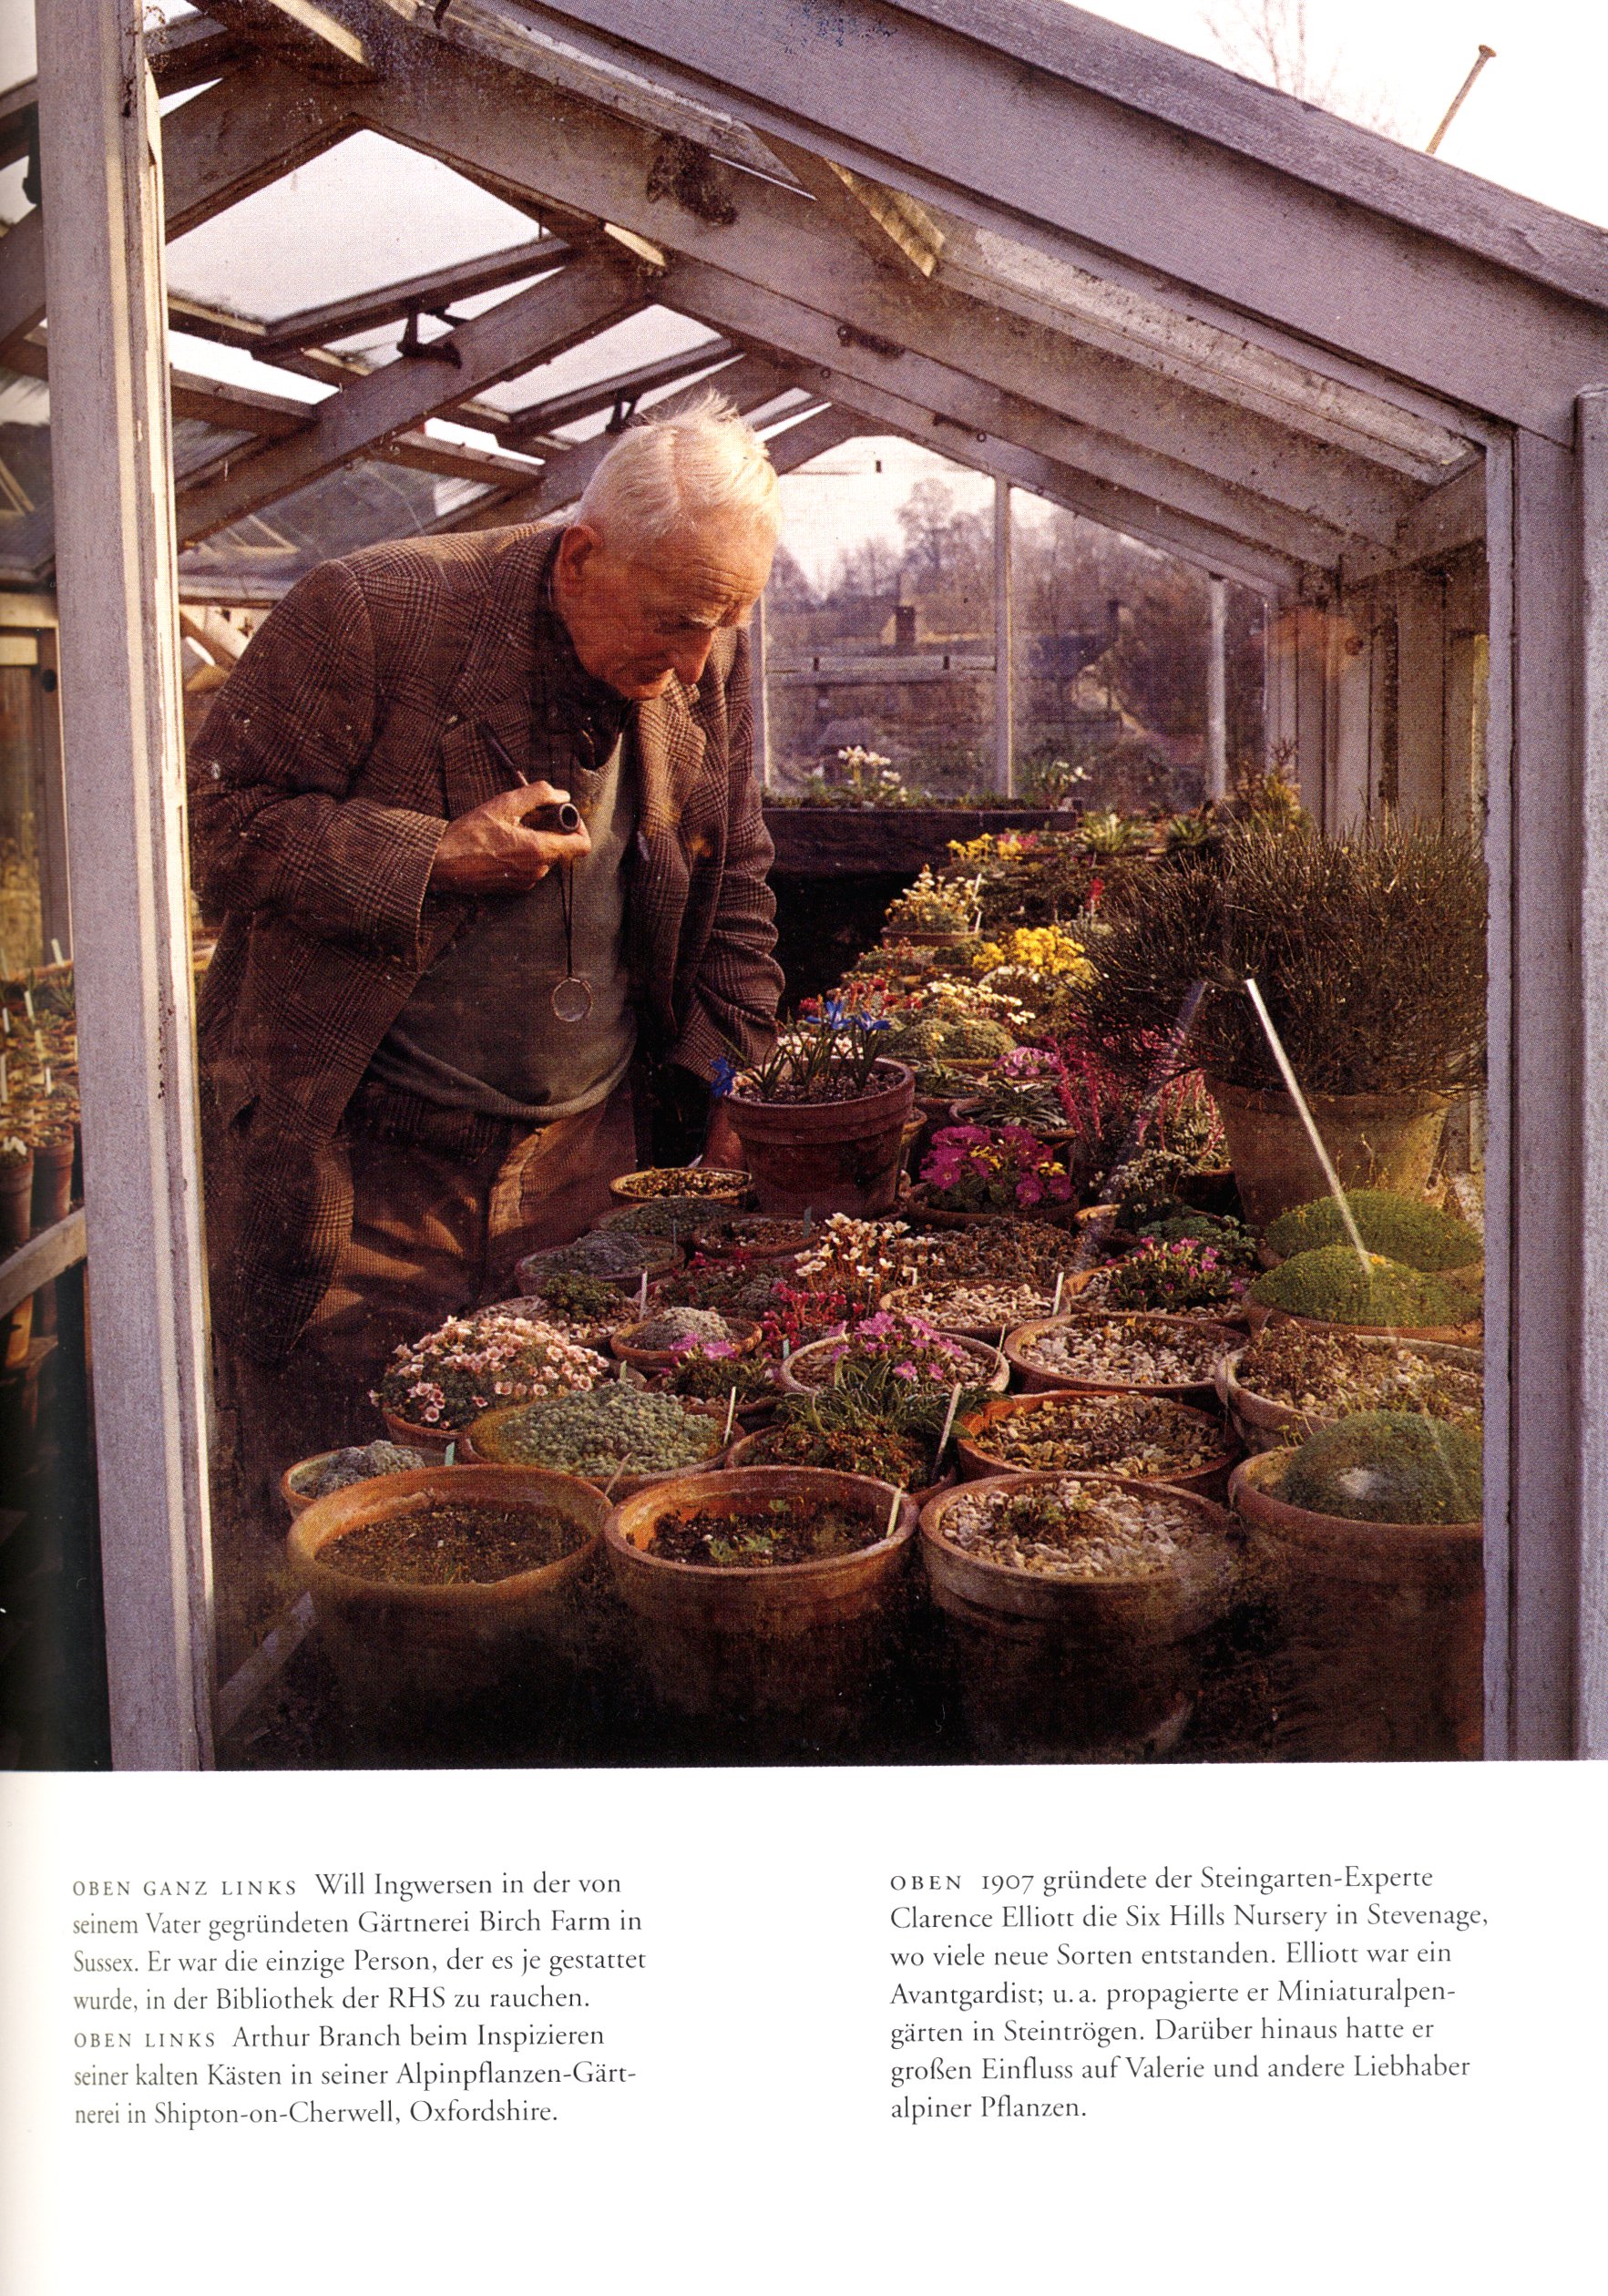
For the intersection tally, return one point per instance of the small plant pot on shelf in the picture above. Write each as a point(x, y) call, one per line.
point(719, 1185)
point(744, 1337)
point(1382, 1648)
point(797, 1645)
point(1468, 1335)
point(829, 1155)
point(394, 1642)
point(491, 1439)
point(750, 1452)
point(1267, 1423)
point(1063, 1668)
point(1200, 1437)
point(798, 1373)
point(1203, 1341)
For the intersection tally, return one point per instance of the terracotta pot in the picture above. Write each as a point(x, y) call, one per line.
point(800, 1642)
point(711, 1243)
point(931, 937)
point(432, 1441)
point(1467, 1335)
point(627, 1188)
point(989, 1361)
point(1265, 1424)
point(1036, 1379)
point(745, 1337)
point(1047, 1214)
point(744, 1454)
point(1382, 1650)
point(52, 1181)
point(395, 1644)
point(906, 1302)
point(977, 1460)
point(16, 1201)
point(530, 1271)
point(1057, 1669)
point(1375, 1140)
point(839, 1156)
point(479, 1445)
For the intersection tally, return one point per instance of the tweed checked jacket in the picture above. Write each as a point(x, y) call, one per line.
point(352, 729)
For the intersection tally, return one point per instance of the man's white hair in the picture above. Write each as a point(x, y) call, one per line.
point(667, 471)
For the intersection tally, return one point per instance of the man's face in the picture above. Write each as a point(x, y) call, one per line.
point(634, 622)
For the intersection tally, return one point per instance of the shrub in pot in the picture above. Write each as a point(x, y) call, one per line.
point(1369, 952)
point(822, 1121)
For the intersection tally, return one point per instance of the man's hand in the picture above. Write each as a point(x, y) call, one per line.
point(490, 850)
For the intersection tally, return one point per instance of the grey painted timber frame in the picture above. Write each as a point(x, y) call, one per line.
point(1422, 363)
point(116, 555)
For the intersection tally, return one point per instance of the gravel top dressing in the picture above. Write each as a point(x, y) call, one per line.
point(358, 1463)
point(1334, 1373)
point(988, 1307)
point(1085, 1530)
point(453, 1544)
point(781, 1531)
point(611, 1429)
point(1125, 1347)
point(1129, 1434)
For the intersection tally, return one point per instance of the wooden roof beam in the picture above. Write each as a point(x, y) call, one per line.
point(591, 398)
point(1172, 175)
point(432, 291)
point(544, 144)
point(751, 382)
point(181, 56)
point(890, 226)
point(591, 296)
point(227, 142)
point(302, 33)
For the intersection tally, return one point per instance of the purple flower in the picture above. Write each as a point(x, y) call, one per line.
point(722, 1075)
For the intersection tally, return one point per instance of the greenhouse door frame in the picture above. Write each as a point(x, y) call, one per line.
point(1548, 1174)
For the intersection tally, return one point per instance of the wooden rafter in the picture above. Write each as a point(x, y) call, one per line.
point(226, 143)
point(433, 290)
point(301, 31)
point(890, 225)
point(591, 296)
point(775, 235)
point(549, 414)
point(1384, 257)
point(181, 56)
point(749, 382)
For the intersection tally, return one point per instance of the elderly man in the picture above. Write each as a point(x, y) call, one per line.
point(438, 1015)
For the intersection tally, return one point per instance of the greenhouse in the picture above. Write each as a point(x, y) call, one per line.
point(1119, 1281)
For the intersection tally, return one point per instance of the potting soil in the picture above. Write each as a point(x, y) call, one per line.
point(453, 1545)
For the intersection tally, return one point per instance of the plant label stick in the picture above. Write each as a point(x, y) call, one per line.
point(731, 1415)
point(55, 949)
point(949, 1424)
point(642, 1295)
point(1055, 1303)
point(892, 1513)
point(49, 1087)
point(4, 1086)
point(28, 1004)
point(451, 1453)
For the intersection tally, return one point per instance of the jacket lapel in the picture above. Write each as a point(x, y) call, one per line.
point(492, 687)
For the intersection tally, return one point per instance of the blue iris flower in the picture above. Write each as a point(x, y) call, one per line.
point(722, 1076)
point(871, 1021)
point(832, 1012)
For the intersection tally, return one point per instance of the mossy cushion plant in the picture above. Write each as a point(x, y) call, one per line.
point(1412, 1233)
point(1330, 1285)
point(1387, 1467)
